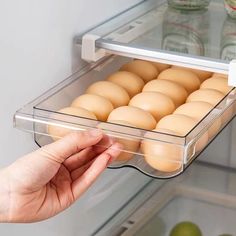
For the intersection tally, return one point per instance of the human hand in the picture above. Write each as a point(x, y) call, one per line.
point(47, 181)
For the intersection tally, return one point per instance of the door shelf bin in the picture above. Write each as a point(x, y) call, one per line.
point(38, 115)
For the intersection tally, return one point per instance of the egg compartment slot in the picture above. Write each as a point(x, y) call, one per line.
point(155, 154)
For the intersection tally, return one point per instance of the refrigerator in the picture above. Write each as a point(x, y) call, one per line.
point(52, 51)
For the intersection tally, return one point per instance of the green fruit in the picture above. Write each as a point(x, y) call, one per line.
point(186, 229)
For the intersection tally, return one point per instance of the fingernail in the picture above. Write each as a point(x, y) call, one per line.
point(111, 139)
point(115, 150)
point(95, 132)
point(118, 146)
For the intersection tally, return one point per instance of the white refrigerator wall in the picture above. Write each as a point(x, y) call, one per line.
point(35, 54)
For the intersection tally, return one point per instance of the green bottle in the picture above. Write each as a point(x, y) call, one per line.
point(228, 40)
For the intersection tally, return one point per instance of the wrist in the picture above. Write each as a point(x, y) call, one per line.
point(4, 198)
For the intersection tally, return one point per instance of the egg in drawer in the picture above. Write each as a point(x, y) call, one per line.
point(163, 115)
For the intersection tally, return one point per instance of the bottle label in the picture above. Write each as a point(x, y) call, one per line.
point(231, 3)
point(182, 44)
point(230, 6)
point(229, 53)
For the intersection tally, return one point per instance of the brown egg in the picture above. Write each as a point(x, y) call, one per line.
point(198, 110)
point(57, 132)
point(206, 95)
point(202, 75)
point(131, 82)
point(220, 75)
point(129, 143)
point(201, 143)
point(100, 106)
point(134, 116)
point(180, 124)
point(176, 92)
point(160, 66)
point(185, 78)
point(227, 115)
point(158, 104)
point(144, 69)
point(113, 92)
point(217, 83)
point(163, 156)
point(213, 97)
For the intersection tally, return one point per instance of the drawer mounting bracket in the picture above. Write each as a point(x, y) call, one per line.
point(89, 51)
point(232, 73)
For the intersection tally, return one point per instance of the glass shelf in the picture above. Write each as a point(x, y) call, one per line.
point(202, 39)
point(205, 195)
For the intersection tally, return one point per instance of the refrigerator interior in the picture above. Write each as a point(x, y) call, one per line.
point(107, 207)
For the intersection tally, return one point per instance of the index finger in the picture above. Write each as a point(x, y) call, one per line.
point(62, 149)
point(80, 185)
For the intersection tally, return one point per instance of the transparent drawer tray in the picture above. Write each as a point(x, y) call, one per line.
point(177, 151)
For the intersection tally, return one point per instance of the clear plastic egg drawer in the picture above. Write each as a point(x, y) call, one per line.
point(157, 154)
